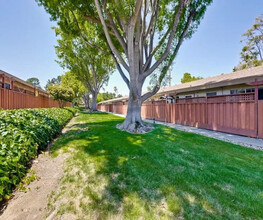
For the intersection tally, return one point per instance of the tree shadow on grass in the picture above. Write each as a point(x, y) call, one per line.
point(162, 174)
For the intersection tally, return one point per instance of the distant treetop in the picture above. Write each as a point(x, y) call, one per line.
point(189, 78)
point(53, 81)
point(252, 53)
point(34, 82)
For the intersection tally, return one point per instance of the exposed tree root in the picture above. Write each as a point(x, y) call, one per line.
point(135, 128)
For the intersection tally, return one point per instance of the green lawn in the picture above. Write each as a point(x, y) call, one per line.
point(164, 174)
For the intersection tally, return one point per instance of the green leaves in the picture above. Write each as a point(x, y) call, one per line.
point(61, 94)
point(23, 133)
point(252, 52)
point(189, 78)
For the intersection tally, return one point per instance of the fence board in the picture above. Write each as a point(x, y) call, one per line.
point(10, 99)
point(232, 113)
point(260, 118)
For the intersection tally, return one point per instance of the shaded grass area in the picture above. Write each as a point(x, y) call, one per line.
point(163, 174)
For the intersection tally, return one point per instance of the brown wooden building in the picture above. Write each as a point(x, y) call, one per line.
point(230, 103)
point(17, 93)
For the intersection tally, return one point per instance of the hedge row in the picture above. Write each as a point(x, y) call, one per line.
point(22, 133)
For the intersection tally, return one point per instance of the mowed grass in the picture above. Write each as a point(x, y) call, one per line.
point(164, 174)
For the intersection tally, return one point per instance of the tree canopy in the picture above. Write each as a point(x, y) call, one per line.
point(88, 65)
point(106, 96)
point(252, 53)
point(70, 80)
point(53, 81)
point(189, 78)
point(34, 82)
point(143, 37)
point(61, 94)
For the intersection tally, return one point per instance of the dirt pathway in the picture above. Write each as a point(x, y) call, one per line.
point(32, 204)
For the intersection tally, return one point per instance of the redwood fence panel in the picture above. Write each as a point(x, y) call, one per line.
point(260, 118)
point(235, 114)
point(10, 99)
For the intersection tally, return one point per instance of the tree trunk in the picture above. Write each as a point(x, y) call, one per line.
point(94, 102)
point(86, 100)
point(60, 104)
point(133, 122)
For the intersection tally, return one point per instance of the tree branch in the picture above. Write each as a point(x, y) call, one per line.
point(113, 49)
point(166, 67)
point(152, 52)
point(117, 33)
point(84, 38)
point(126, 80)
point(152, 31)
point(134, 18)
point(151, 93)
point(95, 20)
point(168, 46)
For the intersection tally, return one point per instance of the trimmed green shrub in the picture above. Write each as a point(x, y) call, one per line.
point(22, 133)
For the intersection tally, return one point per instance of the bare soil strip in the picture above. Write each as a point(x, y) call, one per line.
point(32, 204)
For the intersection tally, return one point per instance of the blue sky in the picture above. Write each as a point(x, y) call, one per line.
point(27, 41)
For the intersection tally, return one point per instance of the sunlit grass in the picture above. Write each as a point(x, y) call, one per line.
point(164, 174)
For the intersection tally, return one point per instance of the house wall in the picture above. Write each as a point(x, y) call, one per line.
point(6, 80)
point(23, 86)
point(219, 91)
point(24, 96)
point(20, 85)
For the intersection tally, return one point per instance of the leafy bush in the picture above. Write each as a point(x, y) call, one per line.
point(22, 133)
point(61, 94)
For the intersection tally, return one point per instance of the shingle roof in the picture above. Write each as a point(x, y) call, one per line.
point(227, 79)
point(20, 80)
point(234, 78)
point(124, 98)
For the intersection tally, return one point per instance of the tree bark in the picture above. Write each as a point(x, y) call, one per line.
point(60, 104)
point(86, 100)
point(133, 122)
point(94, 101)
point(139, 37)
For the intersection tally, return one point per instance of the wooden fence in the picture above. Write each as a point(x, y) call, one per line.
point(11, 99)
point(238, 114)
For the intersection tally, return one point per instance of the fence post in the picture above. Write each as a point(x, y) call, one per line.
point(152, 109)
point(12, 95)
point(3, 81)
point(165, 110)
point(12, 84)
point(206, 110)
point(256, 106)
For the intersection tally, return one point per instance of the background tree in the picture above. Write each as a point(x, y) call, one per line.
point(34, 82)
point(86, 99)
point(53, 81)
point(252, 53)
point(154, 80)
point(61, 94)
point(70, 80)
point(142, 37)
point(106, 96)
point(89, 65)
point(116, 90)
point(189, 78)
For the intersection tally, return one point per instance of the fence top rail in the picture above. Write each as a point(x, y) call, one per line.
point(215, 96)
point(214, 102)
point(243, 97)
